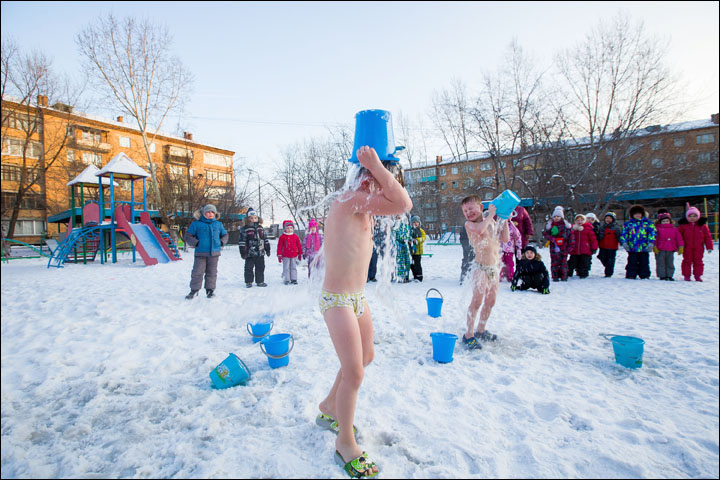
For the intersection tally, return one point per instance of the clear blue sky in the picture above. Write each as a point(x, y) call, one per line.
point(269, 74)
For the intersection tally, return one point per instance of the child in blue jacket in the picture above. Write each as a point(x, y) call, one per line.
point(638, 239)
point(207, 235)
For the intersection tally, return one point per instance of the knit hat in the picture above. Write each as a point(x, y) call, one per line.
point(691, 210)
point(209, 208)
point(288, 223)
point(312, 223)
point(591, 217)
point(414, 219)
point(250, 212)
point(637, 209)
point(559, 212)
point(529, 247)
point(662, 216)
point(611, 214)
point(580, 215)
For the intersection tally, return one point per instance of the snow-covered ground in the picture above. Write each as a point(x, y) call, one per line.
point(105, 375)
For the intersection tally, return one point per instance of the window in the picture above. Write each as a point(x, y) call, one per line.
point(455, 184)
point(152, 147)
point(485, 166)
point(12, 173)
point(91, 136)
point(442, 186)
point(22, 121)
point(679, 142)
point(219, 176)
point(454, 170)
point(30, 201)
point(705, 138)
point(705, 157)
point(217, 159)
point(92, 158)
point(468, 182)
point(657, 162)
point(442, 172)
point(468, 168)
point(71, 155)
point(486, 181)
point(632, 148)
point(125, 142)
point(488, 195)
point(175, 170)
point(680, 158)
point(14, 147)
point(656, 144)
point(26, 227)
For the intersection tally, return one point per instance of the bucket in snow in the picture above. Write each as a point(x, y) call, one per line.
point(434, 304)
point(277, 348)
point(505, 203)
point(443, 346)
point(628, 350)
point(231, 372)
point(259, 330)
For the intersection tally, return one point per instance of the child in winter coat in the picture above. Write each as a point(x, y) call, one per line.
point(511, 250)
point(312, 243)
point(531, 272)
point(608, 241)
point(558, 233)
point(668, 242)
point(416, 247)
point(252, 244)
point(584, 247)
point(696, 235)
point(638, 239)
point(289, 252)
point(207, 235)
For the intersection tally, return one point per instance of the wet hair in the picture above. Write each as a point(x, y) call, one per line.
point(471, 198)
point(393, 167)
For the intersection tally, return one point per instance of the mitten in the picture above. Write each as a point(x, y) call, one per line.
point(626, 247)
point(554, 231)
point(650, 247)
point(513, 287)
point(545, 291)
point(655, 250)
point(593, 252)
point(279, 259)
point(680, 250)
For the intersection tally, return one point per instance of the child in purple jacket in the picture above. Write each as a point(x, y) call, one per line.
point(667, 242)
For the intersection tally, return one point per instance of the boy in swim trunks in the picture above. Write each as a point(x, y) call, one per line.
point(486, 268)
point(348, 247)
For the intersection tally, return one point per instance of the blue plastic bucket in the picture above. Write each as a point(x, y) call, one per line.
point(231, 372)
point(259, 330)
point(443, 346)
point(374, 129)
point(277, 348)
point(434, 304)
point(505, 203)
point(628, 350)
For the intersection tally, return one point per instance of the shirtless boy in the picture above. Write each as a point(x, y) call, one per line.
point(348, 247)
point(485, 270)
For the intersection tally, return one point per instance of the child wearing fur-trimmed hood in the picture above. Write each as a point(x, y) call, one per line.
point(696, 235)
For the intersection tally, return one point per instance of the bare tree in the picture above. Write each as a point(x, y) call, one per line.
point(451, 115)
point(616, 82)
point(26, 79)
point(131, 65)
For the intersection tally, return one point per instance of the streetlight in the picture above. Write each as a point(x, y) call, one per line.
point(259, 197)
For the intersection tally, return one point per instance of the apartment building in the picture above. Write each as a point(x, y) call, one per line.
point(682, 154)
point(61, 142)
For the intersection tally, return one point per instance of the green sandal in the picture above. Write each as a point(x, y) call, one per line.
point(357, 467)
point(329, 423)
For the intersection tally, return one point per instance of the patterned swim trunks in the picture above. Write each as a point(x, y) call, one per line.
point(356, 301)
point(491, 271)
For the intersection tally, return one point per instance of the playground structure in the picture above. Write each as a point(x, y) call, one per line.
point(99, 227)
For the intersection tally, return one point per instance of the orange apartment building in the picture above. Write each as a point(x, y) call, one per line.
point(68, 142)
point(438, 186)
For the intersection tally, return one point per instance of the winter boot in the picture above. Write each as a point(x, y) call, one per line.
point(471, 343)
point(698, 278)
point(248, 285)
point(192, 294)
point(687, 278)
point(263, 284)
point(210, 293)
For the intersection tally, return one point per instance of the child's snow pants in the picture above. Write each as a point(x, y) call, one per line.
point(558, 265)
point(692, 262)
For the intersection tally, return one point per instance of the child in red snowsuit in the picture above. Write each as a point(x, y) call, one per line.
point(289, 251)
point(696, 235)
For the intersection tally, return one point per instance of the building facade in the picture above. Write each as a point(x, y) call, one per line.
point(46, 146)
point(657, 157)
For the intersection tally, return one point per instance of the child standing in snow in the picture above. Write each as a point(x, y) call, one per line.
point(558, 233)
point(668, 242)
point(584, 247)
point(511, 250)
point(207, 235)
point(531, 272)
point(401, 232)
point(608, 241)
point(696, 235)
point(638, 239)
point(252, 245)
point(416, 249)
point(348, 247)
point(312, 243)
point(289, 252)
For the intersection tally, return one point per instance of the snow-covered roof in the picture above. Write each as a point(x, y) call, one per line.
point(122, 166)
point(88, 177)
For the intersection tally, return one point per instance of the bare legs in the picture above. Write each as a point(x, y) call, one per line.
point(483, 289)
point(352, 338)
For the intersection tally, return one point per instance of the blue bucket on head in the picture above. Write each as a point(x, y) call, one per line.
point(374, 129)
point(628, 350)
point(259, 330)
point(505, 203)
point(443, 346)
point(231, 372)
point(434, 304)
point(277, 348)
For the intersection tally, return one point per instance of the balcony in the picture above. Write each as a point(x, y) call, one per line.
point(88, 144)
point(178, 155)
